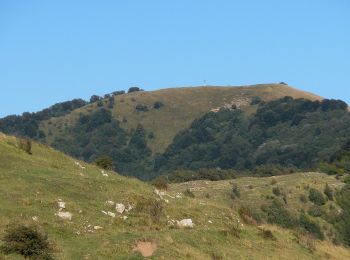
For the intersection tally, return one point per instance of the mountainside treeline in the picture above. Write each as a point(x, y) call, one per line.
point(294, 133)
point(281, 136)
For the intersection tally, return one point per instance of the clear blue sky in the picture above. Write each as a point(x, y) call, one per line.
point(53, 51)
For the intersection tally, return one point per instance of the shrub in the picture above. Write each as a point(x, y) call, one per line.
point(277, 214)
point(328, 192)
point(306, 241)
point(134, 89)
point(316, 197)
point(273, 181)
point(142, 108)
point(25, 145)
point(256, 100)
point(310, 226)
point(161, 182)
point(158, 105)
point(276, 191)
point(189, 193)
point(235, 193)
point(155, 210)
point(267, 234)
point(303, 198)
point(315, 211)
point(26, 241)
point(105, 162)
point(246, 215)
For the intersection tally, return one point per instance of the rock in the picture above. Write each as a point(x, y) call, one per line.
point(35, 218)
point(124, 217)
point(97, 227)
point(187, 223)
point(61, 204)
point(120, 207)
point(65, 215)
point(209, 221)
point(104, 212)
point(111, 214)
point(130, 207)
point(110, 202)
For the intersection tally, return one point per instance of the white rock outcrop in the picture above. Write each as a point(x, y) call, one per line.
point(65, 215)
point(186, 223)
point(120, 207)
point(111, 214)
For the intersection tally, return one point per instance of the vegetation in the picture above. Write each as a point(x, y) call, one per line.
point(36, 182)
point(289, 133)
point(104, 162)
point(316, 197)
point(25, 145)
point(26, 241)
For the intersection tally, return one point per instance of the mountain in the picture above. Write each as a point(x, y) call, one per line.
point(40, 186)
point(136, 128)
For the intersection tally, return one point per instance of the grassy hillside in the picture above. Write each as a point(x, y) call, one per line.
point(181, 107)
point(32, 185)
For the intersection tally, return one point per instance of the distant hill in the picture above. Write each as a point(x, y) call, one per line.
point(180, 106)
point(75, 204)
point(136, 128)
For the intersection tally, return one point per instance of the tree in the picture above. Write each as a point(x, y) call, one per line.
point(105, 162)
point(26, 241)
point(94, 98)
point(134, 89)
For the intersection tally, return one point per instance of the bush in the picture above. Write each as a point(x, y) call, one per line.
point(158, 105)
point(276, 191)
point(189, 193)
point(235, 193)
point(105, 162)
point(161, 182)
point(316, 197)
point(25, 145)
point(246, 215)
point(267, 234)
point(315, 211)
point(26, 241)
point(155, 210)
point(303, 198)
point(328, 192)
point(277, 214)
point(134, 89)
point(311, 226)
point(142, 108)
point(273, 181)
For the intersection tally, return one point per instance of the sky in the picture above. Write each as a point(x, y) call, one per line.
point(53, 51)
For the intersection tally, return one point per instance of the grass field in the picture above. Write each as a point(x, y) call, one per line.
point(181, 107)
point(31, 185)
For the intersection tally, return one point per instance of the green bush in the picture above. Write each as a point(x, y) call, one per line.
point(105, 162)
point(316, 197)
point(235, 192)
point(276, 191)
point(267, 234)
point(315, 211)
point(161, 182)
point(328, 192)
point(303, 198)
point(26, 241)
point(25, 145)
point(189, 193)
point(277, 214)
point(310, 226)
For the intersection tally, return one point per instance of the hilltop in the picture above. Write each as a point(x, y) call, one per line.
point(34, 186)
point(180, 106)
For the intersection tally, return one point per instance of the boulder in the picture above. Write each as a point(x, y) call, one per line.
point(120, 207)
point(65, 215)
point(186, 223)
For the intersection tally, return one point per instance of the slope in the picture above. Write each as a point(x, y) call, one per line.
point(32, 185)
point(180, 107)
